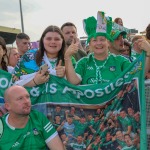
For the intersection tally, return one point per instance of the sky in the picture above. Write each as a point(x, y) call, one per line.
point(39, 14)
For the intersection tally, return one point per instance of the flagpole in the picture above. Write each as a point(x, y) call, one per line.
point(22, 26)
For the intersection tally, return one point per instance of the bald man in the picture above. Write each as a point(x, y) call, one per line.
point(23, 128)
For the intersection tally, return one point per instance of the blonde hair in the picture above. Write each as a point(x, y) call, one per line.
point(9, 52)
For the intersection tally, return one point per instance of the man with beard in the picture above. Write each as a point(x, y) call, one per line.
point(69, 31)
point(117, 44)
point(23, 128)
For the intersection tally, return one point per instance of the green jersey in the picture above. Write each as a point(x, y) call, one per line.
point(109, 145)
point(34, 136)
point(129, 148)
point(93, 71)
point(73, 61)
point(101, 133)
point(77, 146)
point(121, 143)
point(133, 122)
point(79, 127)
point(125, 122)
point(95, 147)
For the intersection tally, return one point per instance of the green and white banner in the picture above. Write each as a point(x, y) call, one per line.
point(116, 26)
point(102, 116)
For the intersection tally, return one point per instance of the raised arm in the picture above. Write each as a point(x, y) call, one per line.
point(70, 72)
point(146, 47)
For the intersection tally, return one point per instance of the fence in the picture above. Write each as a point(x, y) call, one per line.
point(147, 94)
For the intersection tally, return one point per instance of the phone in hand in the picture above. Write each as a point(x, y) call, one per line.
point(44, 68)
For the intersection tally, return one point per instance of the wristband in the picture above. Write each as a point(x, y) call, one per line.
point(34, 82)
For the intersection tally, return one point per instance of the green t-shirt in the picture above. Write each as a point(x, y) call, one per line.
point(77, 146)
point(109, 145)
point(87, 142)
point(96, 124)
point(79, 127)
point(133, 122)
point(106, 71)
point(95, 147)
point(129, 148)
point(33, 136)
point(73, 61)
point(101, 133)
point(125, 122)
point(121, 143)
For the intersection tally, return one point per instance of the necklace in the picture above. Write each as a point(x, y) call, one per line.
point(98, 69)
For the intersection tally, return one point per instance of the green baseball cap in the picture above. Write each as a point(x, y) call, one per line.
point(115, 33)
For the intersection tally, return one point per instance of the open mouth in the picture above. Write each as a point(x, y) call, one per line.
point(53, 46)
point(100, 47)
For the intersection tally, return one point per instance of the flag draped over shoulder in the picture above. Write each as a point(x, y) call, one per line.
point(5, 82)
point(118, 105)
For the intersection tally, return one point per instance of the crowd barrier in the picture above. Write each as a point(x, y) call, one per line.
point(147, 94)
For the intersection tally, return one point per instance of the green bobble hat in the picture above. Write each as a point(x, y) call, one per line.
point(115, 33)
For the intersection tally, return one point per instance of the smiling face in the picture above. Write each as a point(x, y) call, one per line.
point(128, 140)
point(79, 139)
point(130, 111)
point(52, 43)
point(99, 45)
